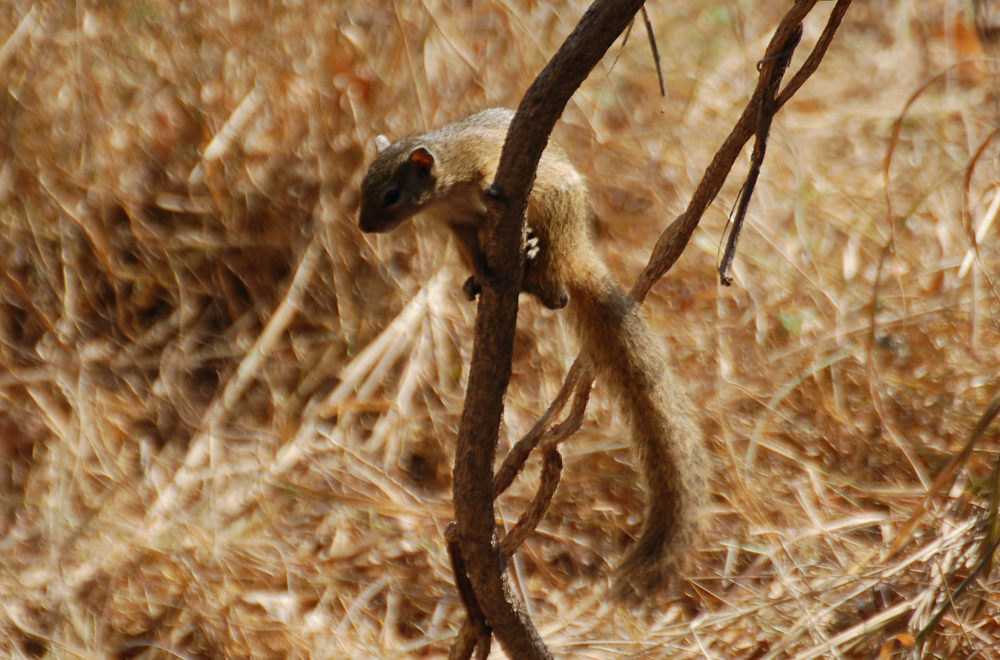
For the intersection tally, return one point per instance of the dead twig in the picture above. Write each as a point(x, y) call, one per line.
point(675, 237)
point(655, 50)
point(577, 381)
point(772, 70)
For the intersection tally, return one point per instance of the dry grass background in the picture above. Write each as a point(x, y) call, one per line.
point(227, 417)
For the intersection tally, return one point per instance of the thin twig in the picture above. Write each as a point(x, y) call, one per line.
point(772, 70)
point(577, 380)
point(656, 50)
point(551, 469)
point(475, 632)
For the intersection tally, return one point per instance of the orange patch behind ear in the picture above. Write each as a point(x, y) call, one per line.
point(422, 158)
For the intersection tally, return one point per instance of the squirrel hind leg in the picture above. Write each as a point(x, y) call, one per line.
point(552, 294)
point(540, 282)
point(553, 297)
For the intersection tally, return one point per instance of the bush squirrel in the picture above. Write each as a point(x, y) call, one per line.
point(444, 174)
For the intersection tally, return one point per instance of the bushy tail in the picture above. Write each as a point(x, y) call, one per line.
point(666, 435)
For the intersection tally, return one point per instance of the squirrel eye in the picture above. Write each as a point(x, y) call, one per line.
point(390, 196)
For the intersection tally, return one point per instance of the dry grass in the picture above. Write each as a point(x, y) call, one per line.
point(227, 416)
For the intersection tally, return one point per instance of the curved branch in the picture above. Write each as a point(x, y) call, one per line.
point(497, 314)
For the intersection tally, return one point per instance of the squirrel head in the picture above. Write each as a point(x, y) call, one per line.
point(398, 184)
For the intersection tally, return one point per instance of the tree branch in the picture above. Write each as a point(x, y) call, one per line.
point(675, 237)
point(475, 532)
point(497, 314)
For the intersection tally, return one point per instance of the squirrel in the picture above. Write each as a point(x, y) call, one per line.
point(444, 175)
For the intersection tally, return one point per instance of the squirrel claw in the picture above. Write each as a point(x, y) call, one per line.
point(531, 246)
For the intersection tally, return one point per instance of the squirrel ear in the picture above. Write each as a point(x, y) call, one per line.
point(423, 159)
point(381, 143)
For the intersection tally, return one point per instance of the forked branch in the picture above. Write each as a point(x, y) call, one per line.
point(480, 557)
point(497, 314)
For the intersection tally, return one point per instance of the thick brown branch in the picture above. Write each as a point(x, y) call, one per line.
point(497, 314)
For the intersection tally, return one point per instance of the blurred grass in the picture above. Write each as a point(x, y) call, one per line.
point(226, 416)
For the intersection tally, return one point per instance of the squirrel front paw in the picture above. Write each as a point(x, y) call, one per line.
point(472, 288)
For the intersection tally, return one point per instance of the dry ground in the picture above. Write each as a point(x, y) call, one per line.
point(227, 417)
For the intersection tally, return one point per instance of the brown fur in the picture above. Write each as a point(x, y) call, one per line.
point(448, 187)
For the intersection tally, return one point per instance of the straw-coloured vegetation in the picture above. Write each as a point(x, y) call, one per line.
point(227, 416)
